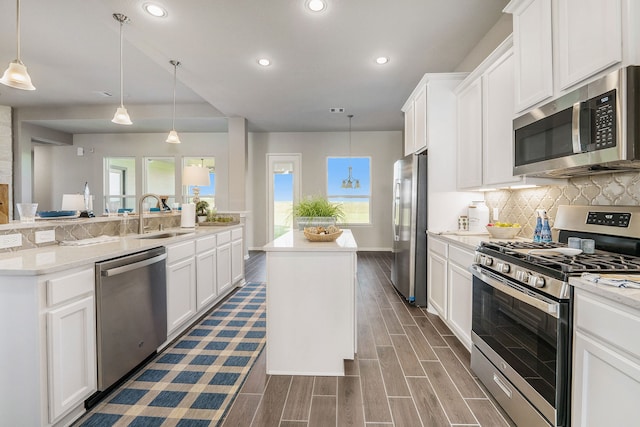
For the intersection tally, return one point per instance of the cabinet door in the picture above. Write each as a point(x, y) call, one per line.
point(181, 293)
point(589, 38)
point(498, 113)
point(71, 360)
point(533, 53)
point(206, 278)
point(437, 283)
point(606, 384)
point(223, 266)
point(470, 136)
point(459, 299)
point(237, 261)
point(409, 130)
point(420, 120)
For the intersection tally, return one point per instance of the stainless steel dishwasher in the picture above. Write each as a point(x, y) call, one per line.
point(131, 308)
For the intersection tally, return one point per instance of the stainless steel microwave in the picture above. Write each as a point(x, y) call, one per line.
point(593, 129)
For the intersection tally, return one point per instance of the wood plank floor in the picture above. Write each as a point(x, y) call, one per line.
point(410, 370)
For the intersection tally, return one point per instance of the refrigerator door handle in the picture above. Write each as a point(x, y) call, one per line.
point(396, 211)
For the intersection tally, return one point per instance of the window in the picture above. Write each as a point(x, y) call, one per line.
point(356, 201)
point(160, 179)
point(207, 193)
point(120, 181)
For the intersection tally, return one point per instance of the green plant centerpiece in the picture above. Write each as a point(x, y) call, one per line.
point(313, 211)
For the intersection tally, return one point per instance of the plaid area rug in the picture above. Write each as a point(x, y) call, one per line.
point(193, 381)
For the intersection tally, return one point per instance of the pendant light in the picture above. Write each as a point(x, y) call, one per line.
point(16, 75)
point(173, 137)
point(122, 116)
point(350, 182)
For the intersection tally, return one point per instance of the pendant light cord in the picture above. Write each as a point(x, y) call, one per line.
point(18, 30)
point(121, 70)
point(350, 117)
point(175, 71)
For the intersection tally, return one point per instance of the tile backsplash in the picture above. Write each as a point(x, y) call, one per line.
point(621, 189)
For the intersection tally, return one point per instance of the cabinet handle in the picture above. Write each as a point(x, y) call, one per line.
point(502, 385)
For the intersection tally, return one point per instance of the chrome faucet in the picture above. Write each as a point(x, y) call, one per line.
point(140, 211)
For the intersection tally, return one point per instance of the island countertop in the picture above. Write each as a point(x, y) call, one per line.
point(295, 240)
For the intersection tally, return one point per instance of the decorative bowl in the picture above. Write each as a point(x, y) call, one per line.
point(503, 232)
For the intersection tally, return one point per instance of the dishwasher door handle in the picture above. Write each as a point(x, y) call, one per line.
point(129, 267)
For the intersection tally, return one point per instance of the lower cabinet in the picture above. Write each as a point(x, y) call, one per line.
point(237, 256)
point(206, 283)
point(181, 284)
point(606, 362)
point(460, 293)
point(71, 341)
point(449, 286)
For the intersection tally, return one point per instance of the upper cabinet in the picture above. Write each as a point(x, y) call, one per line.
point(415, 121)
point(559, 44)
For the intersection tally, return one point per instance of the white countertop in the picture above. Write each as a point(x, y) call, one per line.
point(50, 259)
point(469, 240)
point(627, 296)
point(295, 241)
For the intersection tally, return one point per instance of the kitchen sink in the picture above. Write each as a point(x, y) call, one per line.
point(165, 235)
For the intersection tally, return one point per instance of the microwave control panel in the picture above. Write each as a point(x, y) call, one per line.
point(603, 121)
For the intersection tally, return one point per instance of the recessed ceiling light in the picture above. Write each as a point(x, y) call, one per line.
point(155, 10)
point(264, 62)
point(316, 5)
point(382, 60)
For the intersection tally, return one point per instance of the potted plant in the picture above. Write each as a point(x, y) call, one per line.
point(202, 208)
point(316, 211)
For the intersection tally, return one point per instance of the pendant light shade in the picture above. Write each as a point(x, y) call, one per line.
point(16, 76)
point(173, 137)
point(121, 117)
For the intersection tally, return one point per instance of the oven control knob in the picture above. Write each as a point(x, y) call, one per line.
point(522, 276)
point(537, 281)
point(488, 261)
point(504, 267)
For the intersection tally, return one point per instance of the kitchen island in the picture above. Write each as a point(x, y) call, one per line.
point(311, 316)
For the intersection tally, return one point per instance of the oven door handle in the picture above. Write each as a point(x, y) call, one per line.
point(551, 308)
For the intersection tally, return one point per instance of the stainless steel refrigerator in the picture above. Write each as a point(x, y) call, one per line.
point(409, 268)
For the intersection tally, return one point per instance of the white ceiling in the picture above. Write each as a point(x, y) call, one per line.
point(318, 60)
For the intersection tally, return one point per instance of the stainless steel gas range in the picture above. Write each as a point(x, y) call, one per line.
point(522, 308)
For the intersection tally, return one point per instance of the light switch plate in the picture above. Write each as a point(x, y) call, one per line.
point(45, 236)
point(10, 240)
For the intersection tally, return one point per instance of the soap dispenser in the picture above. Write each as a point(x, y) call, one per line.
point(537, 232)
point(545, 234)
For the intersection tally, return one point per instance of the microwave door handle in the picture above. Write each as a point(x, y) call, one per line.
point(575, 128)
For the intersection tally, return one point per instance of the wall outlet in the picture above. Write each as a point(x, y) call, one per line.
point(10, 240)
point(45, 236)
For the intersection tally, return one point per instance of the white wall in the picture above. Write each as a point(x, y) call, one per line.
point(384, 148)
point(488, 43)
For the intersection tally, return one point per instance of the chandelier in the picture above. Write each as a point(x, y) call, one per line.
point(350, 182)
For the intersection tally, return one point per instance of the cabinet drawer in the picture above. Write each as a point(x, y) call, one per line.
point(180, 251)
point(66, 287)
point(438, 246)
point(224, 237)
point(236, 234)
point(460, 256)
point(611, 322)
point(205, 243)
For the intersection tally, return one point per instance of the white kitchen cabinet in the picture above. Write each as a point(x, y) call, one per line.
point(223, 262)
point(181, 284)
point(237, 256)
point(469, 154)
point(437, 276)
point(532, 41)
point(206, 286)
point(460, 293)
point(561, 44)
point(606, 362)
point(409, 129)
point(497, 108)
point(589, 34)
point(71, 341)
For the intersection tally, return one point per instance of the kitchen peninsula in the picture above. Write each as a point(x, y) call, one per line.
point(311, 316)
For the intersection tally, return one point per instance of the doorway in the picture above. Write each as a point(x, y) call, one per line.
point(283, 190)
